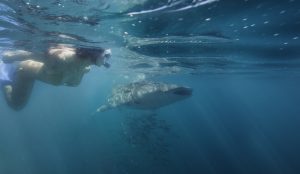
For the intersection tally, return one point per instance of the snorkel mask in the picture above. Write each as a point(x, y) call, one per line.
point(103, 58)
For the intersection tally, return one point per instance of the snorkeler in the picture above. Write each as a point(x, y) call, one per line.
point(60, 65)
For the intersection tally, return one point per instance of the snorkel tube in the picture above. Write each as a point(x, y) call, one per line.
point(105, 57)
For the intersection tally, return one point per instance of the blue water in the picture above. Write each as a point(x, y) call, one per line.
point(240, 57)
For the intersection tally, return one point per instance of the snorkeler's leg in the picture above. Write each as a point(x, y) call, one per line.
point(31, 68)
point(18, 92)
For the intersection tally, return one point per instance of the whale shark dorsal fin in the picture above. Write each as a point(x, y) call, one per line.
point(103, 108)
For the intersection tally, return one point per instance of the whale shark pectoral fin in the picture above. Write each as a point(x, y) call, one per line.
point(103, 108)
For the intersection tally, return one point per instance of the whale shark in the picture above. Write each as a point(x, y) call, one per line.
point(146, 95)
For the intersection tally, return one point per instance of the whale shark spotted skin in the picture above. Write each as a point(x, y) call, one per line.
point(145, 95)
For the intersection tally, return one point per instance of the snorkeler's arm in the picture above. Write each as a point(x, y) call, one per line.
point(17, 55)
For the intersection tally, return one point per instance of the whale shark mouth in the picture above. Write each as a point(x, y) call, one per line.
point(183, 91)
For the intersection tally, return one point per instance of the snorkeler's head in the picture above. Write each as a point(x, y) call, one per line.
point(98, 56)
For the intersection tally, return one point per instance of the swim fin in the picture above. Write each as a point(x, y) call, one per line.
point(6, 72)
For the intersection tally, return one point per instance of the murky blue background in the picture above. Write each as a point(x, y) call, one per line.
point(240, 57)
